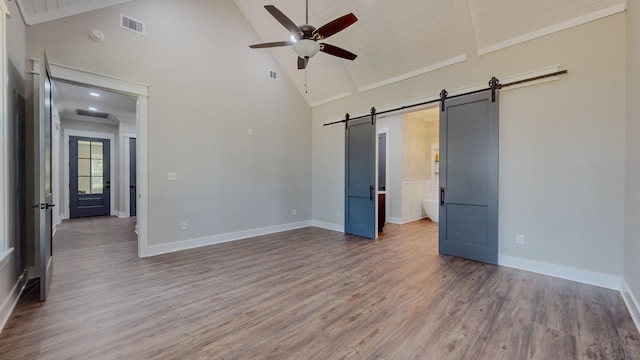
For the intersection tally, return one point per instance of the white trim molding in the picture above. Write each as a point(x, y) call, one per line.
point(631, 300)
point(330, 99)
point(12, 299)
point(612, 10)
point(563, 272)
point(327, 226)
point(424, 70)
point(153, 250)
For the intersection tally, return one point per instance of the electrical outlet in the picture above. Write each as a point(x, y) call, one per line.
point(250, 132)
point(172, 176)
point(520, 239)
point(338, 213)
point(183, 226)
point(294, 212)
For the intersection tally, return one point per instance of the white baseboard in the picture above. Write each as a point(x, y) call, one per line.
point(563, 272)
point(122, 215)
point(632, 303)
point(12, 299)
point(394, 220)
point(412, 219)
point(328, 226)
point(217, 239)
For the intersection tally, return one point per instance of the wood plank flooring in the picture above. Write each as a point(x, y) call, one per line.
point(306, 294)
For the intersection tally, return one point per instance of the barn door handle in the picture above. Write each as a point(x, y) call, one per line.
point(371, 192)
point(441, 196)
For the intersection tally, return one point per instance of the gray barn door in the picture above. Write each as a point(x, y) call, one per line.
point(360, 178)
point(89, 177)
point(468, 225)
point(43, 188)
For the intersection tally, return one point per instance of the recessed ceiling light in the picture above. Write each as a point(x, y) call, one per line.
point(94, 94)
point(93, 109)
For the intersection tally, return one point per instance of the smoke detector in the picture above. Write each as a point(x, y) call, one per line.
point(96, 35)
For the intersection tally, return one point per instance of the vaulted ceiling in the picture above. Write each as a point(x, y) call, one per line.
point(394, 40)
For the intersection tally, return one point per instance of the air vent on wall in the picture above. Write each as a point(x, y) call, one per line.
point(132, 24)
point(274, 75)
point(95, 114)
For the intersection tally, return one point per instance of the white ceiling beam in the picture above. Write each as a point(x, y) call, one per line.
point(467, 31)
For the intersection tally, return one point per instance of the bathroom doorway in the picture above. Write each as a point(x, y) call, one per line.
point(411, 166)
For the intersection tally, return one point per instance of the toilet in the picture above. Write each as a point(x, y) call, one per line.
point(432, 208)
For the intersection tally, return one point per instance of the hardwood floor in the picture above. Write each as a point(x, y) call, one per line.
point(306, 294)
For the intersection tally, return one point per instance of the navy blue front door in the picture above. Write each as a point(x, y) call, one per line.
point(360, 179)
point(89, 177)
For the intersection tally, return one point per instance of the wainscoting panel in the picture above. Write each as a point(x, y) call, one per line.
point(413, 192)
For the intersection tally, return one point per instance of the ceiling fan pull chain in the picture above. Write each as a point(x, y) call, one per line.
point(306, 89)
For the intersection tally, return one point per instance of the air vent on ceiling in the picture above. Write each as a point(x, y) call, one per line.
point(274, 75)
point(132, 24)
point(95, 114)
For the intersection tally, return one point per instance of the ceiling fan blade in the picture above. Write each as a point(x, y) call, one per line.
point(335, 26)
point(271, 44)
point(302, 63)
point(336, 51)
point(283, 19)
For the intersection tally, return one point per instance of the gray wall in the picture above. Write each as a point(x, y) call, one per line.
point(207, 89)
point(561, 145)
point(632, 194)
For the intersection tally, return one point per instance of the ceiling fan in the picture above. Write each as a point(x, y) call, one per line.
point(304, 38)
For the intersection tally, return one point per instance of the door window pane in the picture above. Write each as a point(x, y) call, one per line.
point(84, 185)
point(96, 168)
point(96, 150)
point(96, 185)
point(84, 167)
point(84, 149)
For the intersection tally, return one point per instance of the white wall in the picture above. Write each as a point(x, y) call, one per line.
point(632, 193)
point(561, 144)
point(207, 89)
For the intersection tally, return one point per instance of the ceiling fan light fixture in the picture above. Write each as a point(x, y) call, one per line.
point(306, 48)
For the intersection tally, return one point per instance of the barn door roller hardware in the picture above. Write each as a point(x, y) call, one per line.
point(494, 84)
